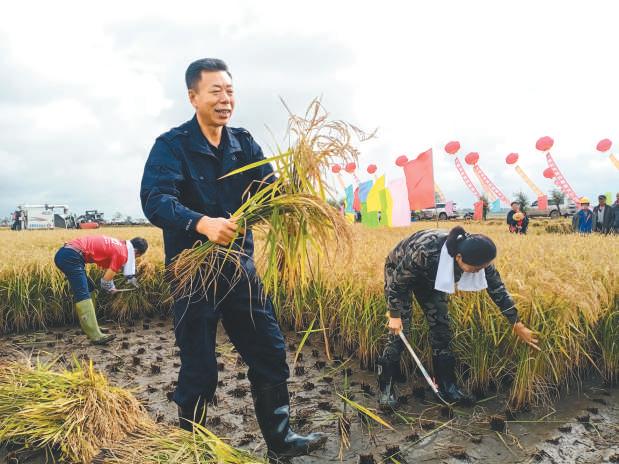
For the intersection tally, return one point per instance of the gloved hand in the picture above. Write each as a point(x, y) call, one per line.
point(133, 280)
point(108, 285)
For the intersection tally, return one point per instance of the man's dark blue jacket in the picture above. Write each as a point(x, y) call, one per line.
point(181, 182)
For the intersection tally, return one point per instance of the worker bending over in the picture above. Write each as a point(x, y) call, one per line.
point(431, 264)
point(107, 253)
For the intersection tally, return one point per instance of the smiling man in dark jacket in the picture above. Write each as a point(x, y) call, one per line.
point(182, 193)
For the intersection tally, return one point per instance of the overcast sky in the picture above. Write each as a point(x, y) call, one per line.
point(85, 90)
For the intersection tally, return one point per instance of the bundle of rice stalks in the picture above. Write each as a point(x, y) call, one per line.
point(317, 222)
point(72, 412)
point(559, 228)
point(608, 339)
point(166, 445)
point(291, 209)
point(151, 296)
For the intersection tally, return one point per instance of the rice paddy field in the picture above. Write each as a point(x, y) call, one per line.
point(535, 405)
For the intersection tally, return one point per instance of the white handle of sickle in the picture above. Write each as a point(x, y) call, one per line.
point(419, 365)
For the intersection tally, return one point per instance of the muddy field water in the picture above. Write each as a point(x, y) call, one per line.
point(582, 427)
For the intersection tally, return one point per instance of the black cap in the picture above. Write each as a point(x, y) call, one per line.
point(601, 196)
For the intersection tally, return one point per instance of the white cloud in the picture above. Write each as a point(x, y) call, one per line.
point(90, 87)
point(61, 116)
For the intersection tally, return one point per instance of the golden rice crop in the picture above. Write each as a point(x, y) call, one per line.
point(566, 287)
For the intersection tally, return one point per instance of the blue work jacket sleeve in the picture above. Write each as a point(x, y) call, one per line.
point(160, 191)
point(262, 175)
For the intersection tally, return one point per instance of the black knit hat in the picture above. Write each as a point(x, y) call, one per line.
point(476, 249)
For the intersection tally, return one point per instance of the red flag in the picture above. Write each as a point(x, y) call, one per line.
point(420, 181)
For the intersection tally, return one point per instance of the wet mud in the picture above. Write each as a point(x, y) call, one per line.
point(581, 427)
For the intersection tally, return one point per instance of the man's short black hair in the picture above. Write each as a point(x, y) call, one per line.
point(140, 245)
point(515, 203)
point(601, 197)
point(194, 71)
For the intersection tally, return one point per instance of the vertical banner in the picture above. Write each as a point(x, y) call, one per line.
point(487, 190)
point(449, 208)
point(369, 218)
point(478, 213)
point(419, 175)
point(364, 190)
point(386, 208)
point(400, 212)
point(495, 206)
point(356, 204)
point(542, 202)
point(350, 198)
point(490, 184)
point(560, 180)
point(466, 179)
point(373, 198)
point(529, 182)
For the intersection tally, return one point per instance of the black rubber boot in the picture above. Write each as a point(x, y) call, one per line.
point(386, 378)
point(190, 415)
point(272, 405)
point(445, 371)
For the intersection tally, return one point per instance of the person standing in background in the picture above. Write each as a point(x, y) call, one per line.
point(582, 222)
point(602, 216)
point(517, 220)
point(616, 215)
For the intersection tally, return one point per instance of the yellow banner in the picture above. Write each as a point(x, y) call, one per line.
point(529, 182)
point(373, 199)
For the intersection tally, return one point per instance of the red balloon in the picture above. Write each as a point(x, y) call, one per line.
point(512, 158)
point(350, 168)
point(549, 173)
point(472, 158)
point(604, 145)
point(544, 143)
point(372, 169)
point(336, 168)
point(401, 160)
point(452, 147)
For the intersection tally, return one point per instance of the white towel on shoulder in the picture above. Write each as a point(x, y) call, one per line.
point(129, 267)
point(445, 279)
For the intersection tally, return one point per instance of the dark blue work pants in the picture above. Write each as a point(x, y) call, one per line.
point(72, 265)
point(249, 320)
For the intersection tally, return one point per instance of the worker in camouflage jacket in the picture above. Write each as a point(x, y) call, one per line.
point(431, 264)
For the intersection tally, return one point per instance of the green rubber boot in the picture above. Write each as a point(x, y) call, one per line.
point(93, 297)
point(88, 322)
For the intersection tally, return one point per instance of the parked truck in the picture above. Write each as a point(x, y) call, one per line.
point(553, 211)
point(47, 216)
point(37, 217)
point(440, 210)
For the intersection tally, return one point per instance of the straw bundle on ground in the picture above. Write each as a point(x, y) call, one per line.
point(75, 416)
point(166, 445)
point(71, 412)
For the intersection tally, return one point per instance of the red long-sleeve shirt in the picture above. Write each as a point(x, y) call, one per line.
point(105, 252)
